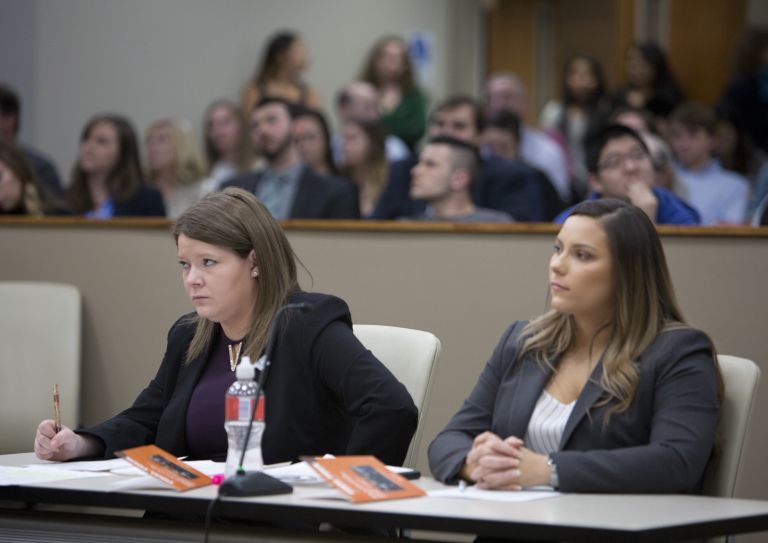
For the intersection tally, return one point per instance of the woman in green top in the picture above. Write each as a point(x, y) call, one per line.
point(403, 104)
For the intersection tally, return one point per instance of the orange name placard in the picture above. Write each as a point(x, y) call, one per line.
point(364, 478)
point(164, 466)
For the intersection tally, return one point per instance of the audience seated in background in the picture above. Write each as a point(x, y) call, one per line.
point(402, 103)
point(107, 180)
point(326, 392)
point(620, 166)
point(442, 178)
point(365, 160)
point(577, 114)
point(20, 191)
point(650, 84)
point(504, 185)
point(360, 100)
point(278, 75)
point(501, 136)
point(175, 164)
point(286, 186)
point(746, 93)
point(313, 141)
point(506, 92)
point(228, 150)
point(720, 196)
point(10, 122)
point(609, 391)
point(664, 164)
point(638, 119)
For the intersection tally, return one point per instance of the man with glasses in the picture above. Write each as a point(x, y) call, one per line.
point(620, 166)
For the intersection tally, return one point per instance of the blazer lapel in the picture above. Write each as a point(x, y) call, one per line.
point(591, 393)
point(530, 383)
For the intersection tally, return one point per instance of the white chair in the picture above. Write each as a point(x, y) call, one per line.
point(411, 356)
point(40, 327)
point(741, 378)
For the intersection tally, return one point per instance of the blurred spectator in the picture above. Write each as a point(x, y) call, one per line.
point(288, 188)
point(649, 83)
point(506, 92)
point(279, 74)
point(734, 148)
point(313, 141)
point(175, 164)
point(719, 195)
point(746, 93)
point(578, 113)
point(228, 150)
point(638, 119)
point(402, 103)
point(664, 164)
point(502, 137)
point(504, 185)
point(107, 180)
point(443, 177)
point(10, 122)
point(20, 190)
point(620, 167)
point(359, 100)
point(365, 161)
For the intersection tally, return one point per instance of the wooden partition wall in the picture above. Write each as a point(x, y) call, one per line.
point(465, 283)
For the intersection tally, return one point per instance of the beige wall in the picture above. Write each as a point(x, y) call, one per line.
point(158, 58)
point(465, 287)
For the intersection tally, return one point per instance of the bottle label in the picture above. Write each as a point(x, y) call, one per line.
point(239, 408)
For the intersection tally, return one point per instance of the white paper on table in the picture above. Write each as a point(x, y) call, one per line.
point(30, 475)
point(84, 465)
point(144, 482)
point(474, 493)
point(301, 474)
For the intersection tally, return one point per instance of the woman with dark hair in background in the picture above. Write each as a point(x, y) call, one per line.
point(279, 74)
point(577, 115)
point(365, 160)
point(20, 190)
point(107, 180)
point(403, 104)
point(609, 391)
point(313, 140)
point(650, 83)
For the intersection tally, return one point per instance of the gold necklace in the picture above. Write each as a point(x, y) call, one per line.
point(234, 355)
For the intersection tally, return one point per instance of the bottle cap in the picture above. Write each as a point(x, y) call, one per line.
point(246, 371)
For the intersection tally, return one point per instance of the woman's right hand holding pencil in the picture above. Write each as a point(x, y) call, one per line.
point(63, 445)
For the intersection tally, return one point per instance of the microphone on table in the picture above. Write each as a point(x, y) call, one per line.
point(258, 483)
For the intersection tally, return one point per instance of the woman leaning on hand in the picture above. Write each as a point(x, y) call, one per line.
point(326, 393)
point(609, 391)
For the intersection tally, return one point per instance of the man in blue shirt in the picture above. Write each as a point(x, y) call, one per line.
point(619, 166)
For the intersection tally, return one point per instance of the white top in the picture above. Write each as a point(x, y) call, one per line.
point(547, 424)
point(542, 151)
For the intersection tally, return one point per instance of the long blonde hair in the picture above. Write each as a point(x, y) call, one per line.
point(235, 220)
point(188, 163)
point(645, 303)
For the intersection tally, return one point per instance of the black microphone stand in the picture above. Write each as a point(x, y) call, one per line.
point(258, 483)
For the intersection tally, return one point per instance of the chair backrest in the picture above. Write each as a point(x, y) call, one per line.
point(40, 327)
point(740, 377)
point(411, 356)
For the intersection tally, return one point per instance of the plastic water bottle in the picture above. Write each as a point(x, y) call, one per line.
point(239, 403)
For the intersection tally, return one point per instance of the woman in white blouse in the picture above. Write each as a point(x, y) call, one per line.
point(609, 391)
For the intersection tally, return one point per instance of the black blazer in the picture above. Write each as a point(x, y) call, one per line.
point(660, 444)
point(325, 394)
point(317, 197)
point(147, 202)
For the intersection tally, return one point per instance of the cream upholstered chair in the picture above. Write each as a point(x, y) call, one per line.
point(39, 346)
point(411, 356)
point(741, 378)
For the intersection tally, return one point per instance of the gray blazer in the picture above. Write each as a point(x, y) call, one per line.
point(660, 444)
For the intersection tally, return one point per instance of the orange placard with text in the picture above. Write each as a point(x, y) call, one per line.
point(364, 478)
point(164, 466)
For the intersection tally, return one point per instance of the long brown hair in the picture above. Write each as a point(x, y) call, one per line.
point(126, 176)
point(375, 162)
point(370, 72)
point(245, 155)
point(32, 195)
point(645, 303)
point(234, 219)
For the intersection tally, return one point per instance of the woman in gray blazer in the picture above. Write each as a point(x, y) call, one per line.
point(609, 391)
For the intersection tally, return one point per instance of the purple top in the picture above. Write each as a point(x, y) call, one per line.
point(206, 437)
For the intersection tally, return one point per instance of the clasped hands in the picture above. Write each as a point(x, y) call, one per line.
point(504, 464)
